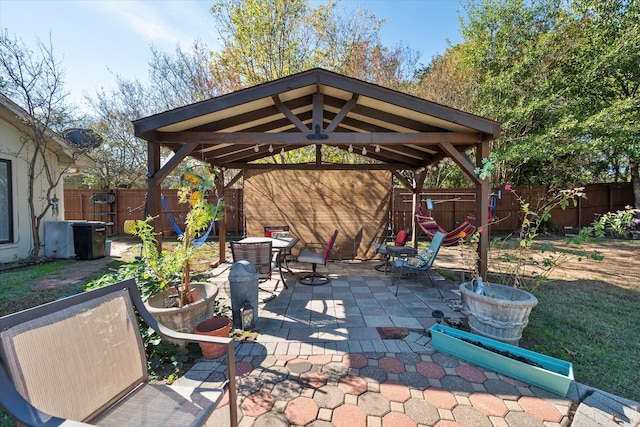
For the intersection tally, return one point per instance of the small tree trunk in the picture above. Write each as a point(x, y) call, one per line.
point(186, 276)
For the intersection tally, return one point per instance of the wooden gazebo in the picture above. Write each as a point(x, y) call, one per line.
point(319, 108)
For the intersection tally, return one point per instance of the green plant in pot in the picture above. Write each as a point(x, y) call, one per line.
point(178, 302)
point(498, 306)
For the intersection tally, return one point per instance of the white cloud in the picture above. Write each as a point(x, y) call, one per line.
point(162, 23)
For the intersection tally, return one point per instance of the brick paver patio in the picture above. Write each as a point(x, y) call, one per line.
point(342, 354)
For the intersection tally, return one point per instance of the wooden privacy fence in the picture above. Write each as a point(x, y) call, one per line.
point(116, 206)
point(451, 207)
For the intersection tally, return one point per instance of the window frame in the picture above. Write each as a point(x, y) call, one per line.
point(9, 239)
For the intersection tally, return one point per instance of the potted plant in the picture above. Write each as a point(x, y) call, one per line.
point(177, 301)
point(501, 310)
point(498, 312)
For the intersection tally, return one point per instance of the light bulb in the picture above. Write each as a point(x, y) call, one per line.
point(350, 148)
point(377, 148)
point(364, 151)
point(256, 148)
point(270, 148)
point(282, 151)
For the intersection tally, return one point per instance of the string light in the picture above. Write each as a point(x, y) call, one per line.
point(270, 148)
point(364, 151)
point(377, 148)
point(256, 148)
point(282, 151)
point(350, 148)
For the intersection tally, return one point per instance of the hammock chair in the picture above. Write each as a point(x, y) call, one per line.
point(199, 241)
point(430, 227)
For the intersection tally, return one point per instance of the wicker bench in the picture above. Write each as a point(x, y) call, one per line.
point(80, 361)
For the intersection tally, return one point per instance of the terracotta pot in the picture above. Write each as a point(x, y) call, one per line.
point(214, 327)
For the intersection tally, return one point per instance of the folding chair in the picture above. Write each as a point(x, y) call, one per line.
point(421, 262)
point(381, 248)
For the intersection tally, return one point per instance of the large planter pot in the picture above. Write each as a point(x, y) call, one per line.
point(184, 319)
point(498, 316)
point(215, 327)
point(533, 368)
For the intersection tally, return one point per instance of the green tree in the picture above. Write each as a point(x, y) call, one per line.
point(510, 51)
point(561, 78)
point(263, 40)
point(448, 80)
point(602, 85)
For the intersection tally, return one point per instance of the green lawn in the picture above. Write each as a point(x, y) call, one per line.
point(595, 326)
point(16, 294)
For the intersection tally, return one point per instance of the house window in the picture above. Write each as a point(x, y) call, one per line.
point(6, 202)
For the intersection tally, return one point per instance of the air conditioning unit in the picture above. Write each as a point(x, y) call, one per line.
point(58, 239)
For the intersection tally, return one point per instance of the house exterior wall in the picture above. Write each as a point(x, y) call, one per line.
point(11, 148)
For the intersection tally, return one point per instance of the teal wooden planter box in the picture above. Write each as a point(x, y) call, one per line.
point(547, 373)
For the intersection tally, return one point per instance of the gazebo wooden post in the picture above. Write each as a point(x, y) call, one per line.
point(222, 229)
point(482, 211)
point(153, 188)
point(415, 202)
point(418, 185)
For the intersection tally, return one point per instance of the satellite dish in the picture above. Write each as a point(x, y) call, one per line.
point(82, 138)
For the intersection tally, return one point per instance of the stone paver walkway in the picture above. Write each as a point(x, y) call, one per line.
point(382, 389)
point(320, 360)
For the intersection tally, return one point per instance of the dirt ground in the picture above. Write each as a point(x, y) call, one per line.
point(619, 267)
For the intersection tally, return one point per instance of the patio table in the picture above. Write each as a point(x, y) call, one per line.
point(280, 245)
point(398, 252)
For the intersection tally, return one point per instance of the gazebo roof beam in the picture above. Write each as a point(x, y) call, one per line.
point(338, 118)
point(282, 108)
point(386, 138)
point(322, 166)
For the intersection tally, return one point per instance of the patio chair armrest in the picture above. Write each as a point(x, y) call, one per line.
point(230, 385)
point(24, 412)
point(182, 336)
point(190, 337)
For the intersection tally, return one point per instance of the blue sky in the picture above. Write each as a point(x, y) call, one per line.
point(96, 40)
